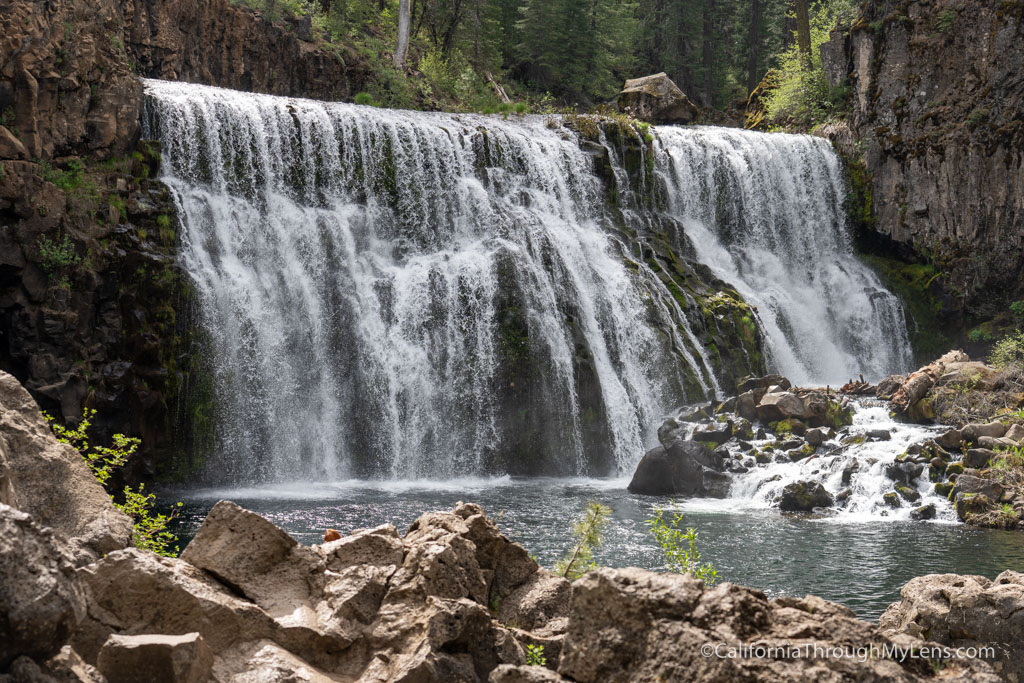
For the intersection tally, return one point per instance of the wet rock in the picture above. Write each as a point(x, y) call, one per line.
point(671, 431)
point(656, 99)
point(942, 488)
point(175, 659)
point(908, 494)
point(710, 434)
point(977, 457)
point(972, 432)
point(51, 482)
point(746, 405)
point(964, 611)
point(804, 496)
point(41, 602)
point(851, 467)
point(716, 484)
point(878, 435)
point(676, 471)
point(892, 499)
point(815, 437)
point(954, 469)
point(924, 512)
point(726, 406)
point(904, 472)
point(970, 505)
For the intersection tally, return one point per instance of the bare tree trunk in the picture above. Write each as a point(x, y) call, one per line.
point(709, 51)
point(402, 48)
point(754, 56)
point(803, 29)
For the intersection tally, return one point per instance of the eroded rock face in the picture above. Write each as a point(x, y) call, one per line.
point(51, 481)
point(939, 132)
point(657, 99)
point(965, 611)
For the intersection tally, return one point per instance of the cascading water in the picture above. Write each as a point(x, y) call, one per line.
point(397, 294)
point(765, 212)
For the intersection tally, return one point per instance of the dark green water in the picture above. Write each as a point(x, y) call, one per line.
point(861, 564)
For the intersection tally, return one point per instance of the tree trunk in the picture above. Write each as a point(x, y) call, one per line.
point(754, 55)
point(803, 29)
point(402, 47)
point(709, 52)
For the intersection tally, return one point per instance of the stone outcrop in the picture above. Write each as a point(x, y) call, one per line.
point(937, 96)
point(51, 481)
point(657, 99)
point(680, 469)
point(965, 611)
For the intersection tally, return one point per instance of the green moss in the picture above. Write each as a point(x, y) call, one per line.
point(954, 468)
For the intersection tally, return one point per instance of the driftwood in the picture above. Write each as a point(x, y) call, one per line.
point(500, 91)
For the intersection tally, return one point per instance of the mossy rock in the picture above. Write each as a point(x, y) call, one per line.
point(943, 488)
point(954, 469)
point(908, 494)
point(892, 499)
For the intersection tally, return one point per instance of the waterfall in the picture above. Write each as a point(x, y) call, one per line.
point(394, 294)
point(765, 212)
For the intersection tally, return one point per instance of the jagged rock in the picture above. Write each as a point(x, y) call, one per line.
point(538, 602)
point(175, 659)
point(965, 611)
point(678, 470)
point(654, 626)
point(264, 661)
point(41, 603)
point(657, 99)
point(716, 436)
point(972, 432)
point(671, 431)
point(746, 405)
point(51, 482)
point(805, 496)
point(904, 472)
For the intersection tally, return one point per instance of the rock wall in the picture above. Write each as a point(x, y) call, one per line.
point(938, 109)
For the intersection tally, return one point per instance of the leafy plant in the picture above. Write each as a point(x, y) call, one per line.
point(680, 547)
point(1017, 309)
point(150, 528)
point(589, 534)
point(364, 98)
point(1008, 351)
point(945, 21)
point(535, 655)
point(54, 255)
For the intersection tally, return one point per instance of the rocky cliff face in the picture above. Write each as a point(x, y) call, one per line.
point(938, 99)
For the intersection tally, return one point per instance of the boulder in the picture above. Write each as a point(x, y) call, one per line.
point(636, 625)
point(950, 439)
point(510, 673)
point(780, 406)
point(264, 661)
point(175, 659)
point(974, 374)
point(676, 471)
point(541, 600)
point(996, 443)
point(889, 386)
point(851, 467)
point(746, 405)
point(904, 472)
point(671, 431)
point(1015, 432)
point(977, 457)
point(754, 383)
point(51, 482)
point(815, 437)
point(924, 512)
point(964, 611)
point(878, 435)
point(716, 433)
point(804, 496)
point(656, 99)
point(972, 432)
point(41, 603)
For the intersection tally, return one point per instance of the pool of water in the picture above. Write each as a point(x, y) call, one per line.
point(861, 563)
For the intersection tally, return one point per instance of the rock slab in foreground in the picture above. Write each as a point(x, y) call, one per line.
point(965, 611)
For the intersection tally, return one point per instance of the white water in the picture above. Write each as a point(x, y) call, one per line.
point(764, 211)
point(367, 279)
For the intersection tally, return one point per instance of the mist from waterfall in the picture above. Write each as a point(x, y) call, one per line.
point(392, 294)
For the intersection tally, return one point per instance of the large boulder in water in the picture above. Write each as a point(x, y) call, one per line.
point(964, 611)
point(657, 99)
point(804, 496)
point(678, 470)
point(782, 405)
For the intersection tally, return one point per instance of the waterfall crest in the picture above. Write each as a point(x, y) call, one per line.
point(397, 294)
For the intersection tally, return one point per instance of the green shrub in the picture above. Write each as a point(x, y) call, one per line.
point(1017, 309)
point(364, 98)
point(680, 547)
point(54, 255)
point(150, 530)
point(945, 21)
point(589, 534)
point(535, 655)
point(1008, 351)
